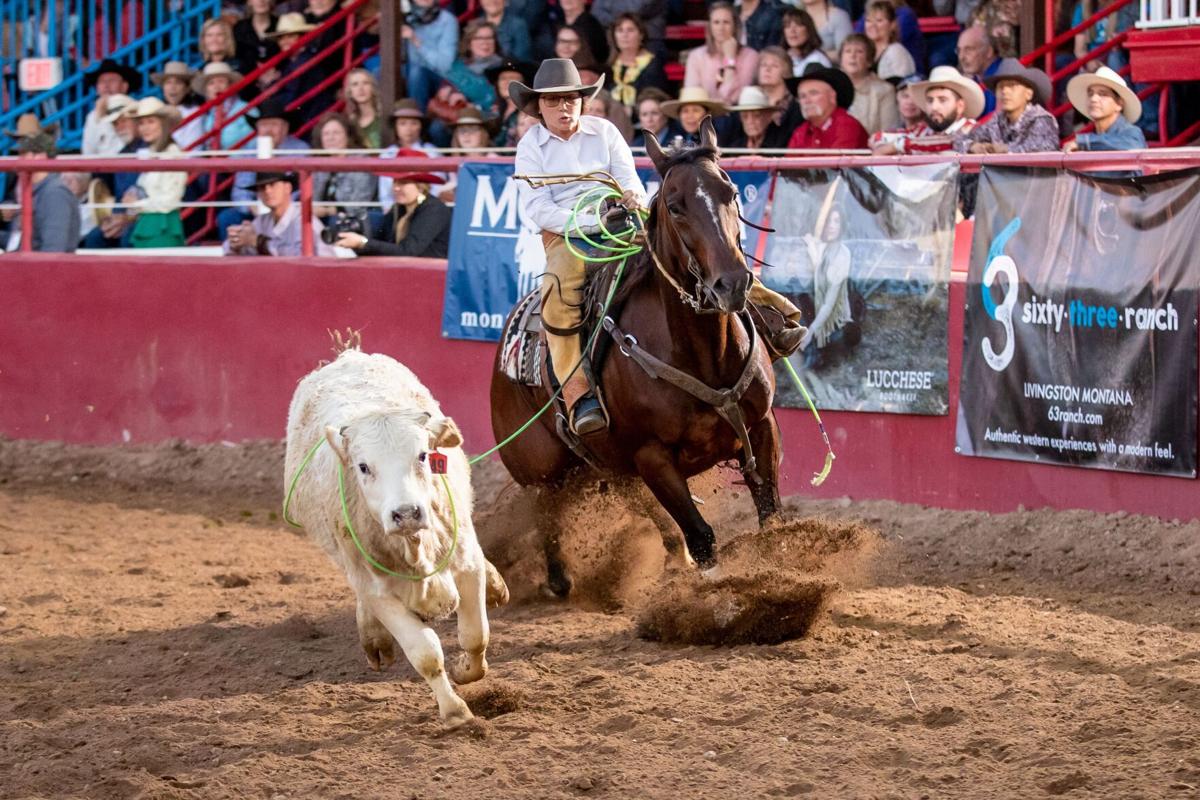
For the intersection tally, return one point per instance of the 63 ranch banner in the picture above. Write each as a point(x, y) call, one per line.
point(496, 258)
point(865, 254)
point(1080, 328)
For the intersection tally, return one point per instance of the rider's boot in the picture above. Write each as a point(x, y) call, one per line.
point(586, 415)
point(781, 334)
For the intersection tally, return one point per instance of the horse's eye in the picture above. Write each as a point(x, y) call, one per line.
point(364, 469)
point(675, 209)
point(421, 457)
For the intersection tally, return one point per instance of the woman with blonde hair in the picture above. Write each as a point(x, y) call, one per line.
point(892, 59)
point(722, 66)
point(217, 43)
point(156, 196)
point(361, 93)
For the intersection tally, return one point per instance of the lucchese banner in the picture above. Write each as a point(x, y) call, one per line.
point(865, 254)
point(1080, 327)
point(496, 257)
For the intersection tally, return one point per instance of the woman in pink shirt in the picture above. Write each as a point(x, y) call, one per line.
point(722, 66)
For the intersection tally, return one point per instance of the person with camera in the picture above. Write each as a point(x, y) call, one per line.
point(418, 224)
point(277, 232)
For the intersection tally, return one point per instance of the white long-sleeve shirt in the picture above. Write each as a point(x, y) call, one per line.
point(100, 137)
point(596, 146)
point(163, 190)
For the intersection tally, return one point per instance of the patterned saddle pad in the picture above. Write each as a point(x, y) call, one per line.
point(523, 350)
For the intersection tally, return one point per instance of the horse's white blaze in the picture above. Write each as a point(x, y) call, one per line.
point(708, 201)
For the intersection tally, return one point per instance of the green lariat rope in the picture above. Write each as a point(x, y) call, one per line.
point(818, 477)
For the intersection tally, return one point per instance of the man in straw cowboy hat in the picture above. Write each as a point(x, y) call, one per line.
point(1021, 123)
point(1104, 98)
point(756, 112)
point(824, 94)
point(951, 102)
point(567, 142)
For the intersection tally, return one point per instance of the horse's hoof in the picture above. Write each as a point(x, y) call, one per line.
point(713, 573)
point(558, 583)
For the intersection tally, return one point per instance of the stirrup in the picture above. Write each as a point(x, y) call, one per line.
point(587, 417)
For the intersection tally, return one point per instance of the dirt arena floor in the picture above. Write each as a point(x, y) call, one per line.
point(163, 635)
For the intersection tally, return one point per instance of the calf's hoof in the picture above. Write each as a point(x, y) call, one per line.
point(380, 650)
point(468, 668)
point(456, 718)
point(497, 589)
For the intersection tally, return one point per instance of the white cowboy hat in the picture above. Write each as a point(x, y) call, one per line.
point(215, 69)
point(693, 96)
point(554, 76)
point(955, 81)
point(153, 107)
point(292, 22)
point(753, 98)
point(118, 105)
point(1077, 89)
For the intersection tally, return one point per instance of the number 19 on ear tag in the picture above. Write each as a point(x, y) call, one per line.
point(437, 463)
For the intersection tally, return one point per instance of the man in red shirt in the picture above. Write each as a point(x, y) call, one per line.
point(824, 94)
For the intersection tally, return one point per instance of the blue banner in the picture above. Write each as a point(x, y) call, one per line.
point(496, 257)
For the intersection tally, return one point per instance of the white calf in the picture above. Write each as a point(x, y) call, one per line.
point(381, 425)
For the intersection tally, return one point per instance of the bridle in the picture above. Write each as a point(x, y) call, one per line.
point(695, 298)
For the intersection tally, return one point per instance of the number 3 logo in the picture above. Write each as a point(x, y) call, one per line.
point(1000, 264)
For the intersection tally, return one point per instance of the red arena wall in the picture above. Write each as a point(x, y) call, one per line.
point(108, 350)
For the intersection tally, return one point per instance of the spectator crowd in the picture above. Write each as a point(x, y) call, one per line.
point(817, 75)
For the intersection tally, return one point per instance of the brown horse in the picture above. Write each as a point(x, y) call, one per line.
point(659, 431)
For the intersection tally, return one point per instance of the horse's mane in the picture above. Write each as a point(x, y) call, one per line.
point(640, 267)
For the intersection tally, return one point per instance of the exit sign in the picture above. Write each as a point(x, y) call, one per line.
point(40, 74)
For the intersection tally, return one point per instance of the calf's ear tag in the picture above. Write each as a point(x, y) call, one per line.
point(437, 463)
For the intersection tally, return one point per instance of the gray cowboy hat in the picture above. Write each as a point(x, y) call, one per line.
point(1013, 70)
point(554, 76)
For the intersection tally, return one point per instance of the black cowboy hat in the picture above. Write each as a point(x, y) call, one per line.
point(554, 76)
point(274, 108)
point(840, 81)
point(509, 65)
point(1011, 69)
point(265, 178)
point(131, 76)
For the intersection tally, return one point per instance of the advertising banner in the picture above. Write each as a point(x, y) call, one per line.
point(496, 257)
point(865, 254)
point(1080, 322)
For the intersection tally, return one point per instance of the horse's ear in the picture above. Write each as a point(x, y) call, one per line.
point(708, 134)
point(655, 151)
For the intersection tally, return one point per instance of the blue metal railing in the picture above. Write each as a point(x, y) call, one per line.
point(142, 34)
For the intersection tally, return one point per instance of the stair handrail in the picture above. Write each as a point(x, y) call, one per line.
point(274, 60)
point(1069, 34)
point(35, 102)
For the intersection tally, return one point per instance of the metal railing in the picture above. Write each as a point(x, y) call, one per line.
point(345, 16)
point(143, 34)
point(1146, 161)
point(1169, 13)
